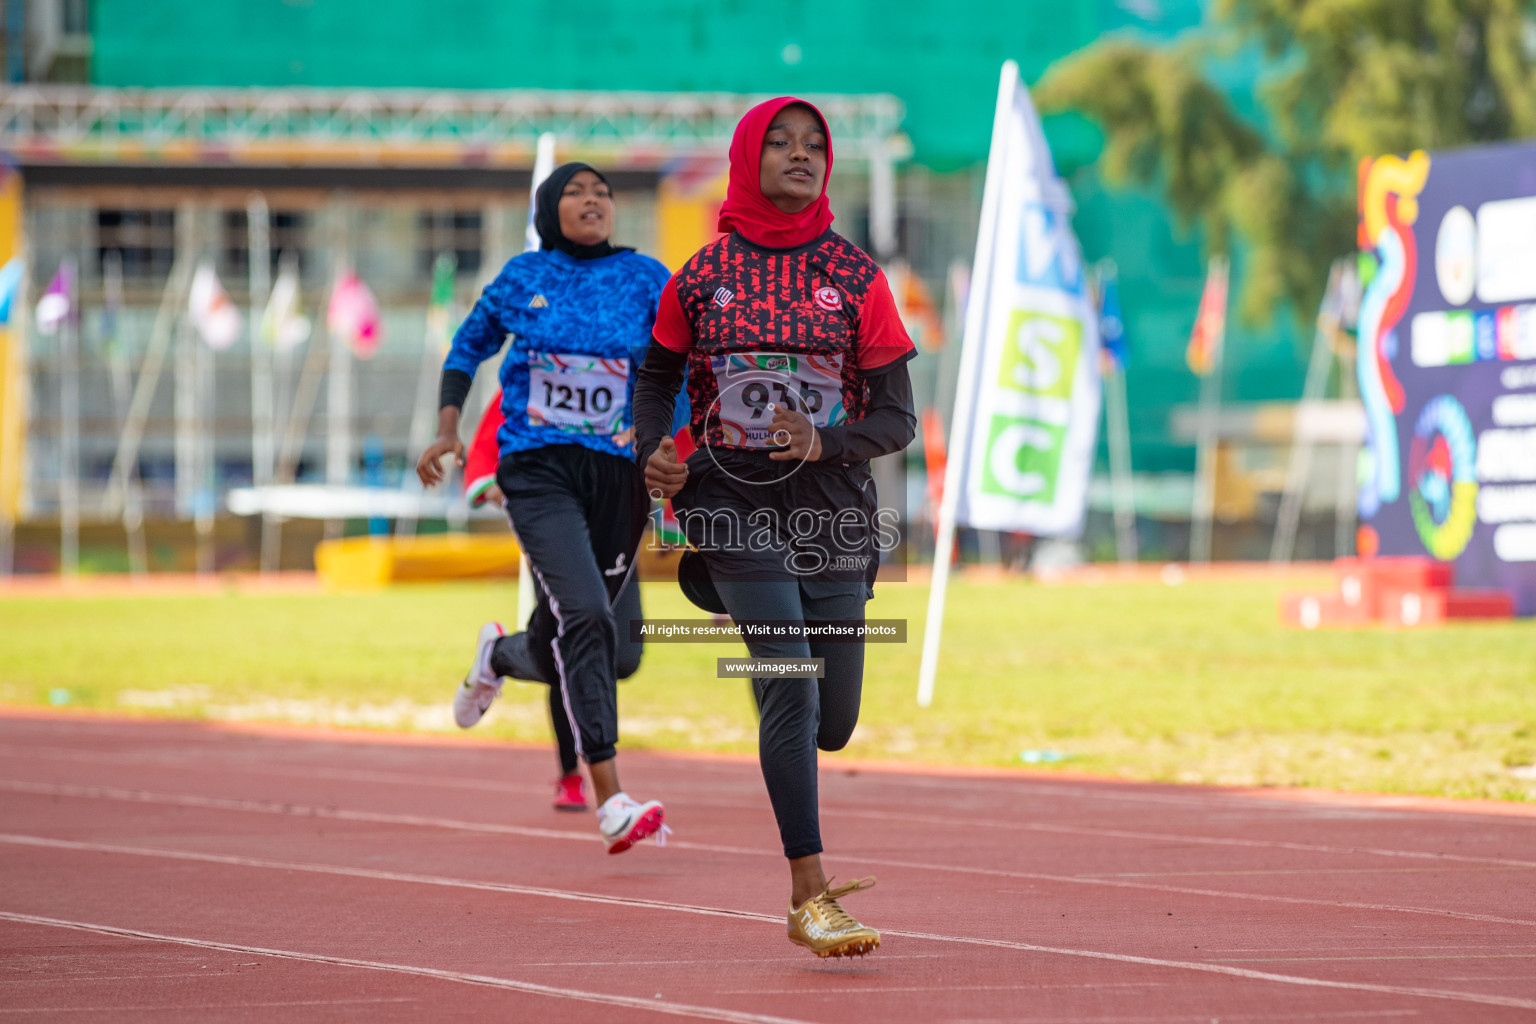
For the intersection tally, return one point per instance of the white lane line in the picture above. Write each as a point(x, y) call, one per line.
point(378, 875)
point(338, 814)
point(197, 763)
point(194, 763)
point(531, 988)
point(1315, 947)
point(1116, 790)
point(939, 821)
point(1308, 872)
point(1170, 837)
point(1112, 790)
point(295, 810)
point(454, 782)
point(1034, 986)
point(299, 810)
point(1204, 967)
point(15, 977)
point(1237, 972)
point(1184, 890)
point(178, 1008)
point(1437, 957)
point(713, 962)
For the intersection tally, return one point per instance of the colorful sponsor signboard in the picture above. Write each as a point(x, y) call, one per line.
point(1447, 362)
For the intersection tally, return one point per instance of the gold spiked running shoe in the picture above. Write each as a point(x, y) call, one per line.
point(826, 929)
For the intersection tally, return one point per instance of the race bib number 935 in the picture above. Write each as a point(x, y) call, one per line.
point(753, 384)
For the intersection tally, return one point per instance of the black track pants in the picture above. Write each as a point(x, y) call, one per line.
point(797, 716)
point(579, 515)
point(513, 656)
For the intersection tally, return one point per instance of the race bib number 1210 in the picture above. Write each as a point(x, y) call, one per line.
point(577, 394)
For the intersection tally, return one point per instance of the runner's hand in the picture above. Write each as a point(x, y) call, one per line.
point(793, 429)
point(428, 469)
point(664, 475)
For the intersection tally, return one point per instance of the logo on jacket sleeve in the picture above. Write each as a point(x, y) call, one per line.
point(538, 302)
point(829, 298)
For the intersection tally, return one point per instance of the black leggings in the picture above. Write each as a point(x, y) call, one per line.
point(513, 656)
point(799, 715)
point(579, 515)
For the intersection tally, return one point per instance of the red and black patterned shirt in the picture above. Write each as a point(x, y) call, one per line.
point(825, 307)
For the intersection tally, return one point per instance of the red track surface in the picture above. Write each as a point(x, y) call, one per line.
point(163, 871)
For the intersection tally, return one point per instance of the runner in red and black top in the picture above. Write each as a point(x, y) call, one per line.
point(797, 376)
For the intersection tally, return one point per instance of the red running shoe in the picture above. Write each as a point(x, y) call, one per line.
point(623, 822)
point(571, 793)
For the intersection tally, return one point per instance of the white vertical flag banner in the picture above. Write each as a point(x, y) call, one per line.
point(543, 165)
point(1027, 402)
point(1036, 407)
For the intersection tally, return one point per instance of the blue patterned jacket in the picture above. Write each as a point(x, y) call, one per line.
point(547, 302)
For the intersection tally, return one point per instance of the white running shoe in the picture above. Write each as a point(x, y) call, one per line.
point(624, 823)
point(482, 686)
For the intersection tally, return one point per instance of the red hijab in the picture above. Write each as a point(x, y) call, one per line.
point(750, 213)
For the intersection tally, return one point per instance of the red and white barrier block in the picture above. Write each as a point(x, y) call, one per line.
point(1395, 592)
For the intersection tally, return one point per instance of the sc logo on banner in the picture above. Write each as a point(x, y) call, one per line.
point(1034, 401)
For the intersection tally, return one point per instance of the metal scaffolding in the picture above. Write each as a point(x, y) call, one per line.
point(75, 124)
point(168, 438)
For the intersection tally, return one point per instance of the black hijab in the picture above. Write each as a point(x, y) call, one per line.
point(546, 215)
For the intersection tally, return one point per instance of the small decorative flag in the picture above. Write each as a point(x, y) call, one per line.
point(354, 314)
point(439, 307)
point(10, 286)
point(1339, 313)
point(919, 313)
point(1111, 323)
point(111, 299)
point(1211, 322)
point(669, 530)
point(56, 306)
point(214, 316)
point(283, 326)
point(935, 459)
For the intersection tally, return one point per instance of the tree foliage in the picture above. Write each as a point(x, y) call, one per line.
point(1344, 79)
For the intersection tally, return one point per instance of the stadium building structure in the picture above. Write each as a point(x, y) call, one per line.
point(378, 135)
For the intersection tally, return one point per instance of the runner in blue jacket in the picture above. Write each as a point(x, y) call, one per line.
point(575, 317)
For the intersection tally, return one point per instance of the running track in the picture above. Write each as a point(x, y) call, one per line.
point(168, 871)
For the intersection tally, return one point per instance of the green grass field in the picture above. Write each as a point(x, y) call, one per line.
point(1195, 683)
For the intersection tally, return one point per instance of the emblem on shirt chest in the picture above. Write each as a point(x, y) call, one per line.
point(723, 297)
point(828, 298)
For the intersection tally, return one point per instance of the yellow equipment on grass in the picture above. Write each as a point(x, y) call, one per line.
point(367, 563)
